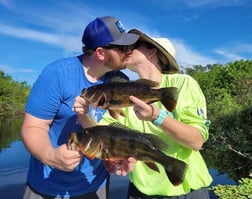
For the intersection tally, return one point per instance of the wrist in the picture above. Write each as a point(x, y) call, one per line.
point(159, 119)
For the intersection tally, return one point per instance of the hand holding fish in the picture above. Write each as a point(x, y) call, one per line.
point(143, 111)
point(81, 106)
point(120, 167)
point(65, 159)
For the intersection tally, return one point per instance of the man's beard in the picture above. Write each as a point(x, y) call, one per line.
point(112, 64)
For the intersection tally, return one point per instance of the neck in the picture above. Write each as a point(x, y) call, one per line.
point(151, 73)
point(93, 69)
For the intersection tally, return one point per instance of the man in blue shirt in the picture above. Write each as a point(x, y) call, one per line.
point(55, 171)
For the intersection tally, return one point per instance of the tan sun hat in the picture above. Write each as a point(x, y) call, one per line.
point(165, 47)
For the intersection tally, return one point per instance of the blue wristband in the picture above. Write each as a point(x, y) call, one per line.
point(160, 119)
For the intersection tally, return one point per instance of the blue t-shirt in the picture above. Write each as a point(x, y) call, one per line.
point(52, 97)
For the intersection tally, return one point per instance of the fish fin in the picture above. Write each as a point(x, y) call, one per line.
point(175, 170)
point(116, 112)
point(122, 113)
point(146, 82)
point(119, 125)
point(152, 165)
point(118, 79)
point(91, 157)
point(169, 97)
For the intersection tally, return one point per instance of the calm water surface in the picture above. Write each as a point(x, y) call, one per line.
point(14, 161)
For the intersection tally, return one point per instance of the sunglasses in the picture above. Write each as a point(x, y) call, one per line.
point(123, 49)
point(141, 43)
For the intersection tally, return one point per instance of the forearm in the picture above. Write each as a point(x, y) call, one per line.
point(182, 133)
point(86, 121)
point(38, 144)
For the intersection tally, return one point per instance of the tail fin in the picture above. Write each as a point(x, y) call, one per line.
point(169, 97)
point(175, 170)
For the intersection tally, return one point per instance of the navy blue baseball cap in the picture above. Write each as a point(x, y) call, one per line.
point(104, 31)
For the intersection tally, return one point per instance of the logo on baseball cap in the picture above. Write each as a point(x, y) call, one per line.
point(106, 30)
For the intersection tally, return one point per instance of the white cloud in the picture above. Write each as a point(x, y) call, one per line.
point(235, 51)
point(215, 3)
point(12, 70)
point(70, 43)
point(62, 29)
point(228, 55)
point(186, 56)
point(28, 34)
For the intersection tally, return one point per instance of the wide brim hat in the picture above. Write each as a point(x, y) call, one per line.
point(164, 46)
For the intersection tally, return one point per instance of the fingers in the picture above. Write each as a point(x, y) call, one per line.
point(110, 166)
point(142, 110)
point(120, 167)
point(81, 106)
point(137, 101)
point(65, 159)
point(131, 163)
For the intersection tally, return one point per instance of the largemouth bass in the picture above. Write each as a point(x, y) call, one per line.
point(117, 142)
point(114, 95)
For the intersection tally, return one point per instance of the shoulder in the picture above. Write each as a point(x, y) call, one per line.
point(65, 62)
point(62, 68)
point(178, 80)
point(179, 76)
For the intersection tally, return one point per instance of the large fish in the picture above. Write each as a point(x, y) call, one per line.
point(114, 95)
point(116, 142)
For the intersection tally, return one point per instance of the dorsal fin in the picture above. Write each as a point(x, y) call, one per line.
point(118, 125)
point(146, 82)
point(118, 79)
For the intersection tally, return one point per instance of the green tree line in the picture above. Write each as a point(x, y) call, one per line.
point(228, 91)
point(13, 96)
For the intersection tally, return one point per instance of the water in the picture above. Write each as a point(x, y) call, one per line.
point(13, 170)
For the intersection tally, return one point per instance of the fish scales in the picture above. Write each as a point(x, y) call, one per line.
point(115, 95)
point(116, 142)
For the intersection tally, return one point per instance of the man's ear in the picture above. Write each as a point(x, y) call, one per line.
point(100, 53)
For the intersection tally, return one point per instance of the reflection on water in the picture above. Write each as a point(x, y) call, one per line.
point(13, 170)
point(14, 161)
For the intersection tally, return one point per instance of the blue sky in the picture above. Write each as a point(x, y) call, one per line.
point(35, 33)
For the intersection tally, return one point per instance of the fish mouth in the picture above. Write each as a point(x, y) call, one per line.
point(102, 101)
point(92, 151)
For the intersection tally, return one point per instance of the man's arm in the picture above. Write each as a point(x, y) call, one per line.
point(36, 139)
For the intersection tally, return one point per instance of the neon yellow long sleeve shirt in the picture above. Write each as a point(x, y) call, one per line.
point(190, 109)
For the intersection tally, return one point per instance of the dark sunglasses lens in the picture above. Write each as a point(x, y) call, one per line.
point(121, 48)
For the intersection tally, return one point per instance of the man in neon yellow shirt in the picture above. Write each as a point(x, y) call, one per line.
point(185, 129)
